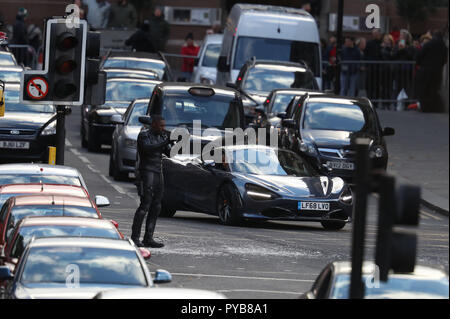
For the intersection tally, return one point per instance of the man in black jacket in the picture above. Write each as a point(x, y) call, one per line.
point(151, 144)
point(431, 59)
point(140, 40)
point(372, 52)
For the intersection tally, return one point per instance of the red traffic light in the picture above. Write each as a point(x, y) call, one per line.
point(66, 41)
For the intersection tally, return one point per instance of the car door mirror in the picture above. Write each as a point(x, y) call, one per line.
point(232, 85)
point(145, 120)
point(101, 201)
point(388, 131)
point(162, 277)
point(222, 65)
point(5, 273)
point(117, 119)
point(145, 253)
point(281, 115)
point(289, 123)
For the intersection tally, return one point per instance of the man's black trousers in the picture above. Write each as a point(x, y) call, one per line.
point(151, 191)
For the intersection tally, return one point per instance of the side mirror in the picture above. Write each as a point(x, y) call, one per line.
point(289, 123)
point(232, 85)
point(101, 201)
point(117, 119)
point(5, 273)
point(116, 224)
point(281, 115)
point(162, 277)
point(222, 65)
point(145, 120)
point(145, 253)
point(388, 131)
point(208, 164)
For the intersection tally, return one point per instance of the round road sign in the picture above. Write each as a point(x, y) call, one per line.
point(37, 88)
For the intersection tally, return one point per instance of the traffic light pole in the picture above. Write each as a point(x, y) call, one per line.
point(362, 189)
point(60, 133)
point(337, 76)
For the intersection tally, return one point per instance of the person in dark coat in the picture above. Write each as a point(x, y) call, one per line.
point(431, 59)
point(349, 71)
point(372, 52)
point(159, 30)
point(140, 40)
point(20, 36)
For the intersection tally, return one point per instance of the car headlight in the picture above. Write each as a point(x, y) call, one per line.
point(259, 193)
point(338, 184)
point(376, 152)
point(130, 143)
point(49, 129)
point(307, 148)
point(346, 197)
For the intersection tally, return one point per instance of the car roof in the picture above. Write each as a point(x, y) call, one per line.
point(283, 63)
point(43, 189)
point(297, 91)
point(135, 55)
point(11, 68)
point(213, 38)
point(66, 221)
point(337, 99)
point(131, 79)
point(28, 168)
point(68, 200)
point(262, 8)
point(183, 87)
point(83, 242)
point(344, 267)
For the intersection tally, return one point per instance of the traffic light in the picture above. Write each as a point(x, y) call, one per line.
point(396, 249)
point(95, 80)
point(62, 80)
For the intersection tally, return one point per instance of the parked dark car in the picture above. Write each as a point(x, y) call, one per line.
point(424, 283)
point(26, 130)
point(257, 78)
point(324, 128)
point(96, 126)
point(255, 182)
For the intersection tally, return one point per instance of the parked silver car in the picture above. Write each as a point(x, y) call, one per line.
point(123, 147)
point(205, 70)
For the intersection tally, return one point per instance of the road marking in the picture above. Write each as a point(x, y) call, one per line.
point(116, 187)
point(68, 143)
point(242, 277)
point(430, 215)
point(266, 291)
point(92, 168)
point(75, 151)
point(84, 159)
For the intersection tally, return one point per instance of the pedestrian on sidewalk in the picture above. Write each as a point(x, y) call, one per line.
point(152, 143)
point(349, 71)
point(159, 30)
point(189, 48)
point(141, 40)
point(122, 15)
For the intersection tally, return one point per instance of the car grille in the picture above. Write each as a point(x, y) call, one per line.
point(337, 153)
point(8, 131)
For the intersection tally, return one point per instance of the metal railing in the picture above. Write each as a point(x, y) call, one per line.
point(24, 54)
point(388, 84)
point(176, 61)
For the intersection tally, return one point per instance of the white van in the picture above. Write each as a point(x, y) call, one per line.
point(268, 33)
point(205, 69)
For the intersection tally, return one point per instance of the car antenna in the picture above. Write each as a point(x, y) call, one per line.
point(42, 185)
point(53, 199)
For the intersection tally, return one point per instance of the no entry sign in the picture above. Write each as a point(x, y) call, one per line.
point(37, 88)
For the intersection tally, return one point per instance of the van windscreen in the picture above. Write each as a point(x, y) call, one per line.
point(278, 50)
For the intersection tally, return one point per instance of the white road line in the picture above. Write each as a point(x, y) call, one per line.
point(75, 151)
point(116, 187)
point(430, 215)
point(242, 277)
point(92, 168)
point(84, 160)
point(68, 143)
point(266, 291)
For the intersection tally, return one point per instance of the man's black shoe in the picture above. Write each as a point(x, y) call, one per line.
point(138, 243)
point(153, 244)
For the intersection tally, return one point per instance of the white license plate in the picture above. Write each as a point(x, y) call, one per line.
point(14, 144)
point(341, 165)
point(314, 206)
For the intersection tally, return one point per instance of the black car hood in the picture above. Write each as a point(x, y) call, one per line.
point(21, 120)
point(292, 186)
point(329, 138)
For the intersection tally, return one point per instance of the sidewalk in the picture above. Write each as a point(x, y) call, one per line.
point(419, 153)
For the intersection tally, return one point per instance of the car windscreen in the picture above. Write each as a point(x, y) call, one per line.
point(277, 50)
point(139, 109)
point(218, 111)
point(39, 231)
point(268, 78)
point(153, 65)
point(281, 102)
point(268, 162)
point(128, 90)
point(395, 288)
point(211, 55)
point(10, 75)
point(37, 178)
point(350, 117)
point(95, 266)
point(6, 59)
point(30, 108)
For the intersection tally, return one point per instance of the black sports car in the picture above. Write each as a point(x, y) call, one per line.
point(322, 130)
point(257, 182)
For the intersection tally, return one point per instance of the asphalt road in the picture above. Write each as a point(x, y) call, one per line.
point(268, 260)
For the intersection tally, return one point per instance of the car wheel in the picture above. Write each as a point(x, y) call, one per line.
point(227, 202)
point(92, 144)
point(166, 211)
point(332, 225)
